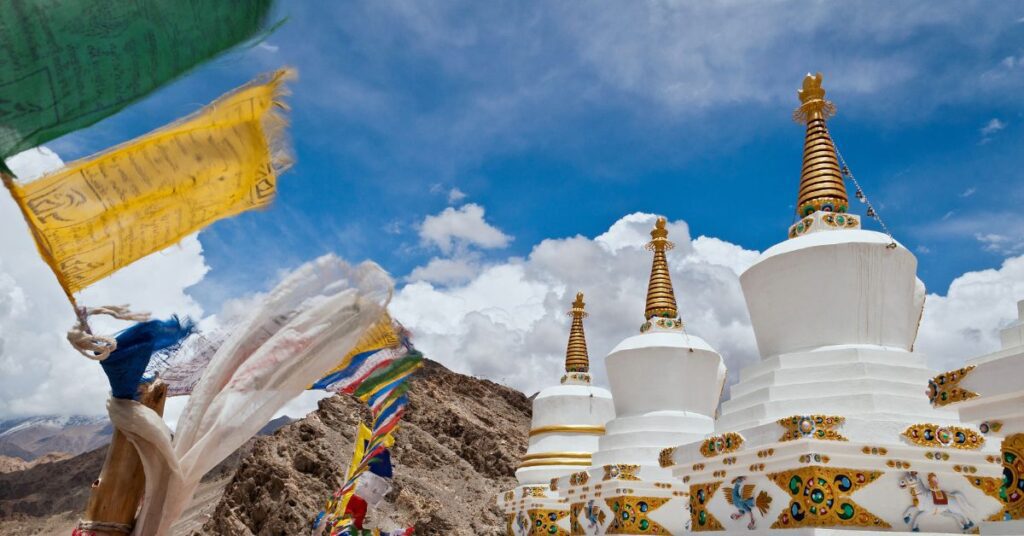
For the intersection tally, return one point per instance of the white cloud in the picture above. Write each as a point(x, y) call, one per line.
point(455, 195)
point(965, 322)
point(461, 227)
point(969, 192)
point(993, 126)
point(41, 373)
point(446, 271)
point(508, 322)
point(1002, 244)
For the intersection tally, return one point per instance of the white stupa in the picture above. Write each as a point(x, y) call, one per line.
point(568, 420)
point(989, 392)
point(832, 430)
point(666, 385)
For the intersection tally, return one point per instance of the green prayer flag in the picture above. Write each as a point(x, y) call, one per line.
point(66, 64)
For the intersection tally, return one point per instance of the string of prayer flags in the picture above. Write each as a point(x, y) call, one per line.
point(383, 344)
point(367, 480)
point(390, 377)
point(102, 213)
point(70, 63)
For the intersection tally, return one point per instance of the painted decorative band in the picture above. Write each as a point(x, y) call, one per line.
point(568, 429)
point(537, 455)
point(556, 461)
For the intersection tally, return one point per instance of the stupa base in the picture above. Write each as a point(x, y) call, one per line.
point(818, 478)
point(534, 510)
point(625, 499)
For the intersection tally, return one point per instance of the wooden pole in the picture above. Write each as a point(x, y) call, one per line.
point(115, 495)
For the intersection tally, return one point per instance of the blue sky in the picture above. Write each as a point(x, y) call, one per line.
point(561, 117)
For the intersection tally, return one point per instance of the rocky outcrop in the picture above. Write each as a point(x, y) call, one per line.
point(50, 488)
point(458, 446)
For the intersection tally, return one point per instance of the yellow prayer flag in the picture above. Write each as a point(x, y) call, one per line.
point(102, 213)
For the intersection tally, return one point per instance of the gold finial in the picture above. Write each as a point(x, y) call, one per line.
point(821, 181)
point(661, 299)
point(576, 358)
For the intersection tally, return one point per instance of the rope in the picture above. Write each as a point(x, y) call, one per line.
point(98, 347)
point(845, 170)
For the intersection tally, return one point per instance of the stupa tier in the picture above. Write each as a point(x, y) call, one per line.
point(568, 419)
point(666, 385)
point(989, 393)
point(831, 431)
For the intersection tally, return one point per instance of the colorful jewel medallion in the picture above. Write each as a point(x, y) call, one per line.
point(630, 515)
point(621, 471)
point(701, 519)
point(820, 497)
point(723, 444)
point(575, 509)
point(945, 388)
point(545, 522)
point(933, 435)
point(579, 479)
point(665, 457)
point(533, 491)
point(800, 227)
point(1009, 490)
point(812, 427)
point(840, 220)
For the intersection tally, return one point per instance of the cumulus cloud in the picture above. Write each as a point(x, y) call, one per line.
point(965, 322)
point(461, 227)
point(447, 271)
point(508, 321)
point(42, 374)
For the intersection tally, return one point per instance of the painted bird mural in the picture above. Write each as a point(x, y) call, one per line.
point(741, 496)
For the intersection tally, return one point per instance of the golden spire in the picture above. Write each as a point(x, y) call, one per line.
point(661, 299)
point(821, 181)
point(576, 359)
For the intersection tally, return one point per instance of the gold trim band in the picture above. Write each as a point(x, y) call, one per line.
point(556, 455)
point(556, 461)
point(568, 429)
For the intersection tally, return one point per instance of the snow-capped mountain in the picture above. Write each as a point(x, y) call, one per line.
point(31, 437)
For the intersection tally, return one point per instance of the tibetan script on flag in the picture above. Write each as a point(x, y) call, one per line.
point(69, 63)
point(100, 214)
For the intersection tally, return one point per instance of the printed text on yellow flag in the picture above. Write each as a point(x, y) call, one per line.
point(102, 213)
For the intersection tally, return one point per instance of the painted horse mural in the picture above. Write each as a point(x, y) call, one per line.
point(931, 499)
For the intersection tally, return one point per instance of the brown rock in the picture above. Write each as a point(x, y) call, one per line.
point(458, 446)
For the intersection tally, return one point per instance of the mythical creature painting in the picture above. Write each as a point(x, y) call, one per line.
point(741, 496)
point(595, 517)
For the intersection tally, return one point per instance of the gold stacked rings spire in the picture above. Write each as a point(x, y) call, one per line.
point(821, 178)
point(661, 299)
point(576, 357)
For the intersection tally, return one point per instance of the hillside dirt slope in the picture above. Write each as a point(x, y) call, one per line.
point(458, 446)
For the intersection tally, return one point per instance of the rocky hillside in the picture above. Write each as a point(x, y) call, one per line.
point(458, 446)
